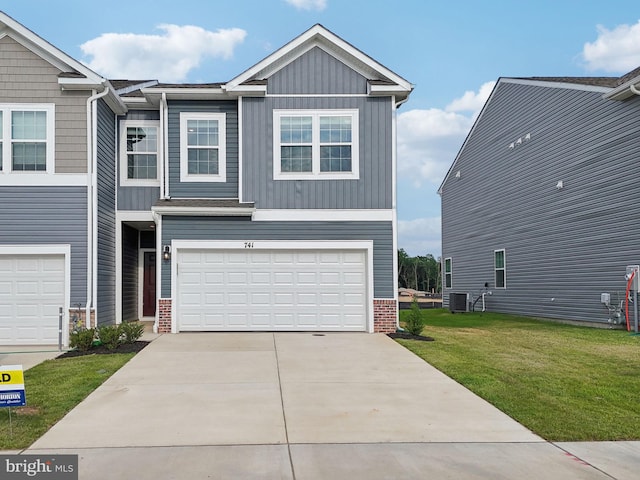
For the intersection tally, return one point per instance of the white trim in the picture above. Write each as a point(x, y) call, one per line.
point(50, 50)
point(444, 273)
point(159, 263)
point(221, 176)
point(320, 215)
point(240, 149)
point(554, 84)
point(43, 179)
point(205, 211)
point(132, 182)
point(178, 245)
point(495, 269)
point(315, 173)
point(7, 140)
point(50, 249)
point(125, 216)
point(141, 252)
point(328, 41)
point(318, 95)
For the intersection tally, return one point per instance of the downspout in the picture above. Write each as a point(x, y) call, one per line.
point(394, 194)
point(164, 168)
point(92, 201)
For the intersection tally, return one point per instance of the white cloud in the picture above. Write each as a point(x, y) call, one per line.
point(420, 236)
point(429, 140)
point(318, 5)
point(616, 50)
point(168, 57)
point(471, 101)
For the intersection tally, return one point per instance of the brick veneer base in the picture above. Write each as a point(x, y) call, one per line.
point(164, 315)
point(385, 316)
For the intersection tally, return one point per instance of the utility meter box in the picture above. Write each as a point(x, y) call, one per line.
point(635, 271)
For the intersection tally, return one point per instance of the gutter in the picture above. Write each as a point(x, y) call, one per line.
point(92, 202)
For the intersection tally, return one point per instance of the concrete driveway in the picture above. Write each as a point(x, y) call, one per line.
point(295, 405)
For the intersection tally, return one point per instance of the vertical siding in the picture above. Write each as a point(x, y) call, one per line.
point(49, 215)
point(136, 198)
point(373, 190)
point(316, 72)
point(237, 228)
point(27, 78)
point(106, 215)
point(129, 273)
point(228, 189)
point(563, 246)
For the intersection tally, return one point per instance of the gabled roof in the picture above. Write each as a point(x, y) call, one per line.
point(74, 75)
point(382, 81)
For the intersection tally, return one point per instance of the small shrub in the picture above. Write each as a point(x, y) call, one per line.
point(414, 323)
point(131, 331)
point(110, 335)
point(82, 339)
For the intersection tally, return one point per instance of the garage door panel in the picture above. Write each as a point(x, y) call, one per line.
point(273, 290)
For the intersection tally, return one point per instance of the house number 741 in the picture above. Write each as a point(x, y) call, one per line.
point(248, 244)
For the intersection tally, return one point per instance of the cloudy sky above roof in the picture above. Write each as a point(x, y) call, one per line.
point(453, 54)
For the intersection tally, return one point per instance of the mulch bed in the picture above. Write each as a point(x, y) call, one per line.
point(102, 350)
point(409, 336)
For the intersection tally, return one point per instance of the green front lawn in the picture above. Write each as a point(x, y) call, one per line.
point(565, 383)
point(52, 389)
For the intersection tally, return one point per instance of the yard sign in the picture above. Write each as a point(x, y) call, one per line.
point(12, 386)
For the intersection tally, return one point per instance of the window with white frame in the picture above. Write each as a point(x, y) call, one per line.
point(202, 147)
point(448, 272)
point(500, 266)
point(27, 136)
point(315, 144)
point(139, 142)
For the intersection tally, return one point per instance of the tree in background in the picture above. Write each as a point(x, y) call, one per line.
point(419, 273)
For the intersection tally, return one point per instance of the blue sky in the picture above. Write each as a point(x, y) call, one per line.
point(451, 51)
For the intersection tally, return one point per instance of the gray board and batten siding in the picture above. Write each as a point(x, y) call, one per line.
point(135, 197)
point(242, 228)
point(564, 246)
point(106, 183)
point(49, 216)
point(228, 189)
point(318, 73)
point(374, 188)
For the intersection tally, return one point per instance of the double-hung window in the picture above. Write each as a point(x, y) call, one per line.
point(448, 272)
point(27, 138)
point(202, 147)
point(500, 267)
point(315, 144)
point(139, 146)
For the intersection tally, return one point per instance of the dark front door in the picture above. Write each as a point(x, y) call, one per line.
point(149, 285)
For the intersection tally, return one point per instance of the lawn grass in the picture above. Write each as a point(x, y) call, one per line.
point(563, 382)
point(52, 389)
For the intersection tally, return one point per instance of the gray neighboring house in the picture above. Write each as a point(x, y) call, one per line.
point(267, 202)
point(540, 203)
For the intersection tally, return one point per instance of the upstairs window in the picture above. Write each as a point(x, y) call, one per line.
point(500, 266)
point(448, 272)
point(202, 147)
point(315, 145)
point(27, 138)
point(139, 152)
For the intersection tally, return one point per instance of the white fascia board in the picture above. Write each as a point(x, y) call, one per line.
point(316, 36)
point(248, 90)
point(204, 211)
point(154, 94)
point(471, 131)
point(320, 215)
point(552, 84)
point(48, 51)
point(623, 91)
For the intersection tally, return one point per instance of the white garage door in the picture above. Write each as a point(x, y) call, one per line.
point(271, 290)
point(31, 292)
